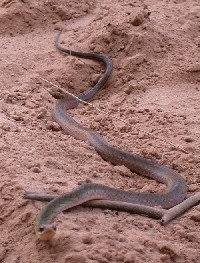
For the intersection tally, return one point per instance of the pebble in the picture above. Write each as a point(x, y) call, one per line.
point(194, 67)
point(41, 113)
point(87, 239)
point(64, 15)
point(137, 20)
point(129, 258)
point(52, 126)
point(74, 258)
point(165, 258)
point(195, 217)
point(189, 139)
point(18, 118)
point(122, 170)
point(193, 187)
point(36, 169)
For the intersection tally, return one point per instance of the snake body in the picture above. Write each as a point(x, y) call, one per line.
point(176, 187)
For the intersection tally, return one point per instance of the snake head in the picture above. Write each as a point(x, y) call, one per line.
point(45, 232)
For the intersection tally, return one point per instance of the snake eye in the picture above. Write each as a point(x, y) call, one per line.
point(41, 229)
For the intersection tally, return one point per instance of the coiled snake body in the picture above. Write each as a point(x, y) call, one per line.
point(176, 186)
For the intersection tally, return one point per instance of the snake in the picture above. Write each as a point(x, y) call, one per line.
point(174, 193)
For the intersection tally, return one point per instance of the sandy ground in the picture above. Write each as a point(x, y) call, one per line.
point(155, 86)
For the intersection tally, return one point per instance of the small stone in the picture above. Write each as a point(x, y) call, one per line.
point(129, 258)
point(122, 170)
point(99, 117)
point(195, 217)
point(194, 68)
point(122, 239)
point(165, 258)
point(63, 14)
point(193, 187)
point(41, 113)
point(52, 126)
point(36, 170)
point(137, 20)
point(87, 239)
point(74, 258)
point(189, 139)
point(139, 248)
point(17, 118)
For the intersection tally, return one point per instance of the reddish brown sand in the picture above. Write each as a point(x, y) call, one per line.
point(155, 86)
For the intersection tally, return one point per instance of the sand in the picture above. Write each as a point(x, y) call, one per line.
point(155, 87)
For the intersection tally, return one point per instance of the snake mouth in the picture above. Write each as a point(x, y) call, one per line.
point(46, 232)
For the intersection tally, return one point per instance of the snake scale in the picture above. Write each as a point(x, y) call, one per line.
point(174, 193)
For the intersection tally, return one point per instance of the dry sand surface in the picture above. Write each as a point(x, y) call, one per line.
point(155, 86)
